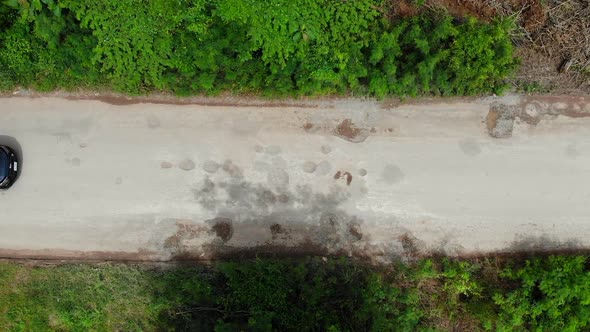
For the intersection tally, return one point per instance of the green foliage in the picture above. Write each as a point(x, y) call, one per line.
point(480, 54)
point(75, 298)
point(448, 290)
point(553, 295)
point(391, 307)
point(425, 55)
point(541, 294)
point(185, 299)
point(531, 87)
point(282, 47)
point(286, 295)
point(45, 48)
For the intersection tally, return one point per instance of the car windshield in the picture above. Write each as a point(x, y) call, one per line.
point(4, 164)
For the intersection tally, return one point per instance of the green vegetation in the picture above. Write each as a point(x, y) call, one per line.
point(540, 294)
point(277, 48)
point(530, 87)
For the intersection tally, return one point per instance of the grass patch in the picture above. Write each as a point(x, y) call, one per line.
point(77, 298)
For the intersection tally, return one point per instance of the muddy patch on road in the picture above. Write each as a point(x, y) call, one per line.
point(252, 218)
point(261, 218)
point(275, 230)
point(501, 118)
point(186, 231)
point(343, 175)
point(348, 131)
point(222, 228)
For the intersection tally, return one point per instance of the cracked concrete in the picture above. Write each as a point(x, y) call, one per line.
point(148, 181)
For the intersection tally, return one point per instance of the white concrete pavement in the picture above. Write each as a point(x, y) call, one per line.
point(157, 182)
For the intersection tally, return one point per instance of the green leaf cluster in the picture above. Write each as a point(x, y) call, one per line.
point(554, 295)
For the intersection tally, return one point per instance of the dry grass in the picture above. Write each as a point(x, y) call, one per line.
point(567, 34)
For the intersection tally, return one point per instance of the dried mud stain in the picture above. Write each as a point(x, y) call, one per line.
point(253, 218)
point(185, 231)
point(409, 245)
point(347, 129)
point(276, 229)
point(500, 120)
point(531, 110)
point(570, 106)
point(346, 175)
point(223, 228)
point(280, 233)
point(491, 119)
point(355, 231)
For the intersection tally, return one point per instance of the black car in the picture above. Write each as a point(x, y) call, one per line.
point(8, 167)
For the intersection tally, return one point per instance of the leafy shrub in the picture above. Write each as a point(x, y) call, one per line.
point(389, 307)
point(45, 48)
point(553, 295)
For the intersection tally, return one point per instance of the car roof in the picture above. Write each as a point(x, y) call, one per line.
point(4, 164)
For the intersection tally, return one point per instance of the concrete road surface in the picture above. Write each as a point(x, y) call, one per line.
point(159, 181)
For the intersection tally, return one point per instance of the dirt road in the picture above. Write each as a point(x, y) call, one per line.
point(159, 182)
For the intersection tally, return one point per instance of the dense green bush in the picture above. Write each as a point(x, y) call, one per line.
point(280, 47)
point(553, 295)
